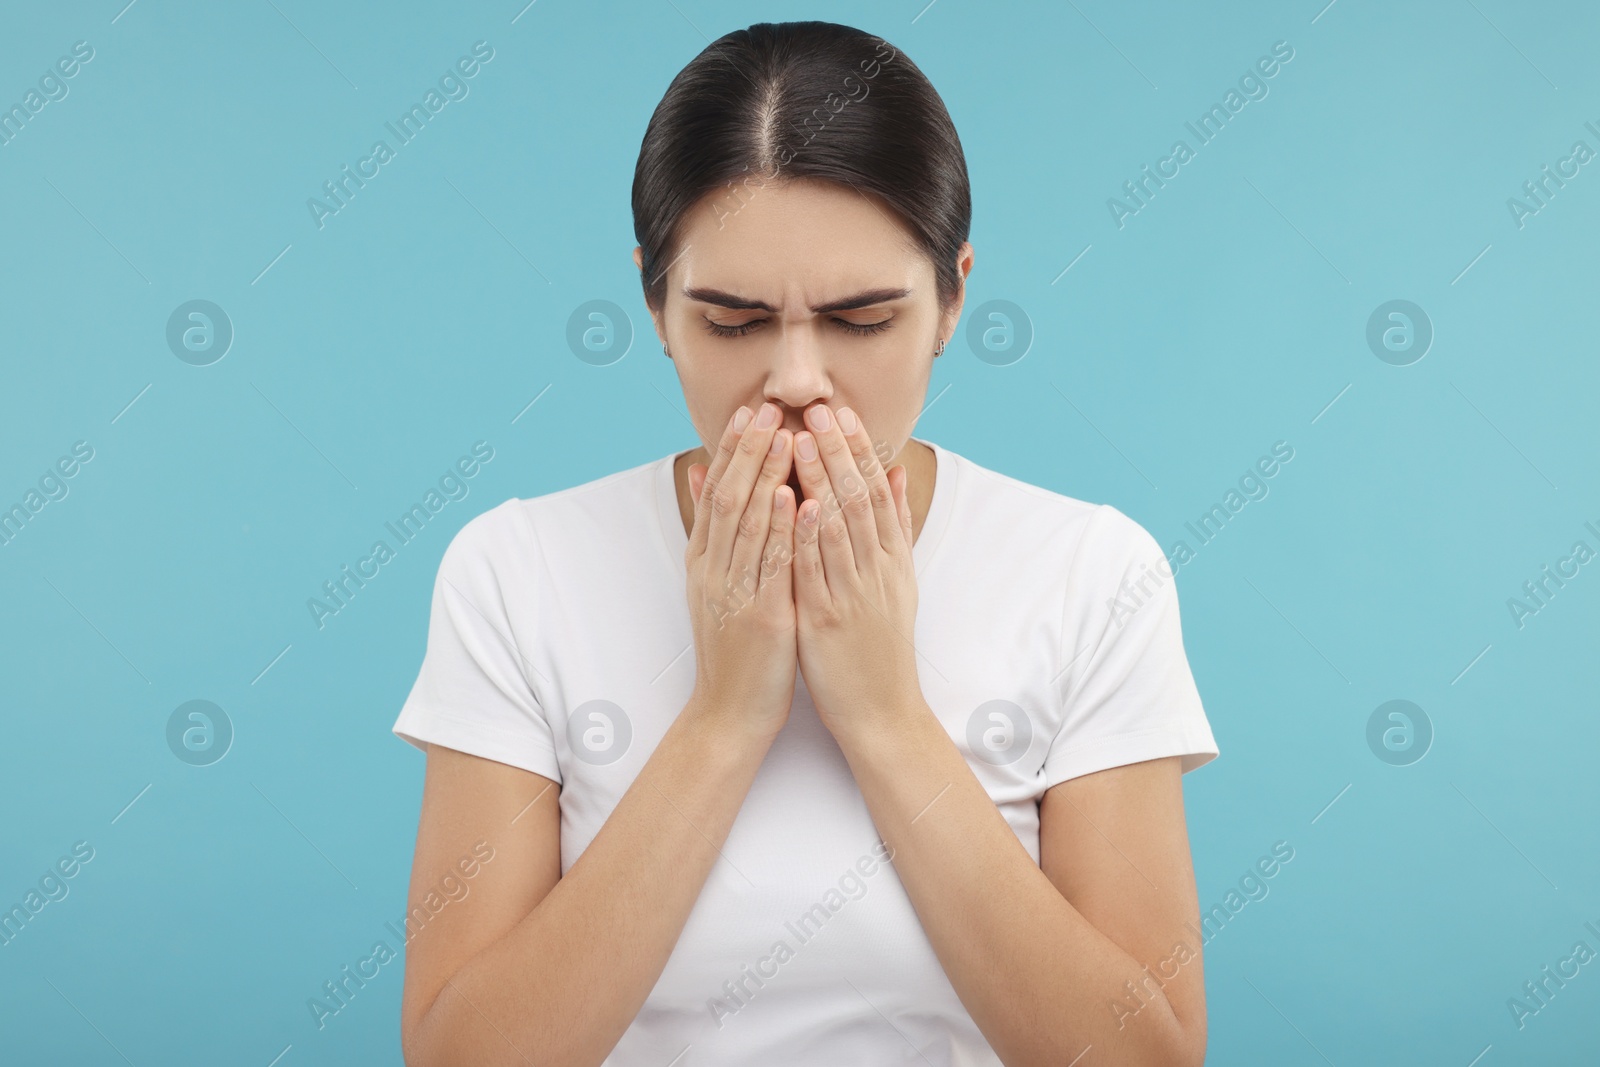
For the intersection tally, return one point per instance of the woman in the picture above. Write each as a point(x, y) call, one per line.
point(889, 776)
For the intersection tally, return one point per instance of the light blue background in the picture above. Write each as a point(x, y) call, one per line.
point(1226, 315)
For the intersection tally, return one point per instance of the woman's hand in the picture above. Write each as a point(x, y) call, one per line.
point(855, 588)
point(741, 602)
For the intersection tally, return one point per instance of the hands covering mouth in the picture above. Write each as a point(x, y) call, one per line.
point(832, 584)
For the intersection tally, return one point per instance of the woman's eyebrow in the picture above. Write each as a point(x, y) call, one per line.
point(860, 300)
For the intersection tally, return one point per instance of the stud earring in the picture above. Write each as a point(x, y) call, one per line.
point(937, 352)
point(664, 352)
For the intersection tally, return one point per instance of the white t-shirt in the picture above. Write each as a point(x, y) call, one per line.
point(560, 642)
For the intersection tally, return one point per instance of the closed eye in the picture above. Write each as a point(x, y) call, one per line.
point(859, 330)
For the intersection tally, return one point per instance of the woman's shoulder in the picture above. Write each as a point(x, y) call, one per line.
point(1021, 511)
point(583, 514)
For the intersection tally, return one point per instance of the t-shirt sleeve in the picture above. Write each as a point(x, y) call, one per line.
point(473, 691)
point(1126, 690)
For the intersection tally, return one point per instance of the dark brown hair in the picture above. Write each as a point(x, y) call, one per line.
point(801, 100)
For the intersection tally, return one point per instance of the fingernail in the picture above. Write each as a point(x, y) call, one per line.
point(768, 416)
point(847, 420)
point(741, 419)
point(820, 419)
point(806, 446)
point(777, 443)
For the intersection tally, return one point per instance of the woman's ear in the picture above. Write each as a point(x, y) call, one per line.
point(655, 321)
point(964, 259)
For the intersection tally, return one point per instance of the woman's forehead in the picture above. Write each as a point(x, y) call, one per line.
point(799, 220)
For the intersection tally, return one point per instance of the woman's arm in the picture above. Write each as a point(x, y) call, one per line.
point(541, 968)
point(1040, 955)
point(534, 968)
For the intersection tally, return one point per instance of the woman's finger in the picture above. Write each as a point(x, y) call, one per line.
point(832, 532)
point(866, 465)
point(810, 577)
point(699, 530)
point(777, 564)
point(902, 502)
point(697, 478)
point(726, 498)
point(744, 567)
point(851, 489)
